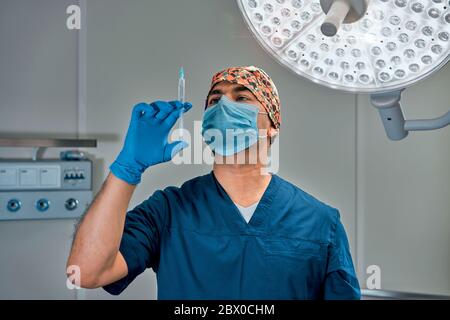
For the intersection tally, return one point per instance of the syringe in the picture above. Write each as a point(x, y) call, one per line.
point(181, 97)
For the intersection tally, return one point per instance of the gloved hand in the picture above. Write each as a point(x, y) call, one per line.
point(146, 141)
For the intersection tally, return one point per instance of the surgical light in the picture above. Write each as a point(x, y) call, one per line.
point(378, 47)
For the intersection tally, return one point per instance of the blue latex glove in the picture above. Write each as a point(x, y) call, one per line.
point(146, 141)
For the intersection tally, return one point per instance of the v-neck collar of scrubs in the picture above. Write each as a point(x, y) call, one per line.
point(262, 211)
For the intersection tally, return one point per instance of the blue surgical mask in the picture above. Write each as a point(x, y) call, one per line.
point(230, 127)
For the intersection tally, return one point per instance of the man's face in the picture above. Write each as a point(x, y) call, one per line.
point(239, 93)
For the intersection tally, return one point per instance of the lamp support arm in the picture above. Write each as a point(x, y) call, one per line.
point(397, 128)
point(428, 124)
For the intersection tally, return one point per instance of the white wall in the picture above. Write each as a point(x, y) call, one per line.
point(332, 143)
point(405, 193)
point(38, 97)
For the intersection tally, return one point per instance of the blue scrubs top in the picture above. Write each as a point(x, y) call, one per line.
point(200, 246)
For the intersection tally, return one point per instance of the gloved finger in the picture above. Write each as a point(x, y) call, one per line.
point(172, 117)
point(138, 110)
point(164, 108)
point(187, 106)
point(149, 112)
point(177, 104)
point(173, 148)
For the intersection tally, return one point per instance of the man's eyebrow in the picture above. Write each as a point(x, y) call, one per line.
point(241, 89)
point(215, 91)
point(236, 89)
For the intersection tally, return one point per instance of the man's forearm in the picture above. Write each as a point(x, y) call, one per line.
point(98, 236)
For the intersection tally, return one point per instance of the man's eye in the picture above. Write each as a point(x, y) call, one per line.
point(213, 101)
point(240, 98)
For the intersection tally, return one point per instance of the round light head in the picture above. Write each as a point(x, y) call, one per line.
point(396, 43)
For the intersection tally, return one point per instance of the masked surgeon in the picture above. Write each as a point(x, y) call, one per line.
point(234, 233)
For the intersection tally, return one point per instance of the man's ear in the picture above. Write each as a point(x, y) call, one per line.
point(273, 133)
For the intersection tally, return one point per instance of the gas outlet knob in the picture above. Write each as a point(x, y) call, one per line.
point(71, 204)
point(42, 205)
point(14, 205)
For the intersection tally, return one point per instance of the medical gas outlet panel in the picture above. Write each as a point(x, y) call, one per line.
point(45, 189)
